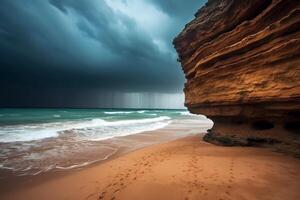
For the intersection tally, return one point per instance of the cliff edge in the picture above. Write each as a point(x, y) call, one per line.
point(241, 60)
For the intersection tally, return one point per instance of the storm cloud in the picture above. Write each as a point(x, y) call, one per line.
point(73, 52)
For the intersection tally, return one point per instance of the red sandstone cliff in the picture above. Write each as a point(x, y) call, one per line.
point(242, 63)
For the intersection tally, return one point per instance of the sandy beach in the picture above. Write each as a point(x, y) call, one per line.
point(186, 168)
point(150, 100)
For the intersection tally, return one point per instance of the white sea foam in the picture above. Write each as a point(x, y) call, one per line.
point(152, 114)
point(95, 129)
point(3, 167)
point(18, 134)
point(113, 129)
point(119, 131)
point(186, 113)
point(128, 122)
point(141, 111)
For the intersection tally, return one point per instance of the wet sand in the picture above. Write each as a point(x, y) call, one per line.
point(186, 169)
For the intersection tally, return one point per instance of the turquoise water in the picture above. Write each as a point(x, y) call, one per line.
point(34, 141)
point(27, 116)
point(17, 125)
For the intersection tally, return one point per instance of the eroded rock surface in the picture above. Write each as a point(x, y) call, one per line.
point(242, 64)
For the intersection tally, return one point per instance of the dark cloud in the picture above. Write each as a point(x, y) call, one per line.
point(57, 47)
point(179, 9)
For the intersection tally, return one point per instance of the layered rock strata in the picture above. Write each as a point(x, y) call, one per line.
point(241, 60)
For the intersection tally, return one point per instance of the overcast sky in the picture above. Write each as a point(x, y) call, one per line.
point(91, 53)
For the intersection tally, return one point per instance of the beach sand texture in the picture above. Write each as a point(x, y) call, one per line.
point(185, 169)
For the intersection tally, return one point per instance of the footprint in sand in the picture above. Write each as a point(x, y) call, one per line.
point(193, 172)
point(129, 175)
point(231, 177)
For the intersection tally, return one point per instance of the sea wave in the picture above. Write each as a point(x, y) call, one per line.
point(152, 114)
point(127, 122)
point(141, 111)
point(121, 128)
point(185, 113)
point(95, 129)
point(24, 134)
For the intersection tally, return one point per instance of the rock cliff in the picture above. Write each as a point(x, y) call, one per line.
point(241, 60)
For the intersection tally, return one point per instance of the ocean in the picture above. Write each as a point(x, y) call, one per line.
point(33, 141)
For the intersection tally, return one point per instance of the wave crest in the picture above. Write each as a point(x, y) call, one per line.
point(101, 128)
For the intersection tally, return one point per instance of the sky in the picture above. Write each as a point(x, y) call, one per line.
point(92, 53)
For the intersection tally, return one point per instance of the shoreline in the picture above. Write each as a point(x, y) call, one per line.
point(68, 151)
point(186, 168)
point(10, 180)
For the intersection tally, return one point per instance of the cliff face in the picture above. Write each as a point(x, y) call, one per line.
point(242, 63)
